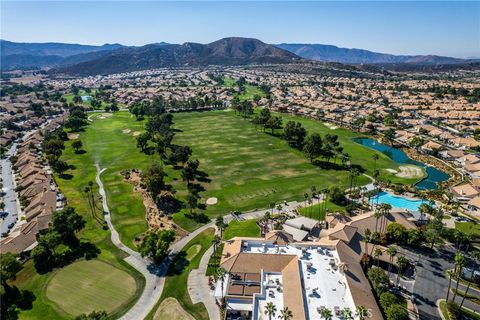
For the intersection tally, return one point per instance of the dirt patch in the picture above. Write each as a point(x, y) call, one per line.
point(137, 133)
point(73, 136)
point(171, 309)
point(211, 201)
point(126, 131)
point(156, 219)
point(410, 172)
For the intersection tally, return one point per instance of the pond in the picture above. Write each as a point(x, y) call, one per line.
point(434, 176)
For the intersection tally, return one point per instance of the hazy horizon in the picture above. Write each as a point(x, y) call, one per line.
point(402, 28)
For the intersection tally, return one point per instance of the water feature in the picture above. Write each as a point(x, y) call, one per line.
point(434, 176)
point(398, 201)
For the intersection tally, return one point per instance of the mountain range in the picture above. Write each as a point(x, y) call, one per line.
point(79, 59)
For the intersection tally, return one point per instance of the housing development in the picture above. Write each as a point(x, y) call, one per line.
point(237, 179)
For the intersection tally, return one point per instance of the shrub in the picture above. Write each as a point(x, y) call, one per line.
point(396, 312)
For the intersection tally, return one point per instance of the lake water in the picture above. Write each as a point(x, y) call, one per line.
point(434, 176)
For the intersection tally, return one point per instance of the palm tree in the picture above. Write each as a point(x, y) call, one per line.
point(216, 241)
point(270, 310)
point(305, 195)
point(377, 253)
point(385, 212)
point(326, 314)
point(375, 158)
point(450, 274)
point(402, 262)
point(286, 314)
point(220, 275)
point(347, 314)
point(362, 313)
point(475, 258)
point(366, 239)
point(343, 267)
point(460, 263)
point(221, 225)
point(378, 215)
point(392, 252)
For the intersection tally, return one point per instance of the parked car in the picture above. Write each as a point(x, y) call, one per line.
point(3, 214)
point(10, 225)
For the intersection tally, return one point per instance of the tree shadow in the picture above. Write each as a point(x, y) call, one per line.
point(179, 264)
point(66, 176)
point(81, 151)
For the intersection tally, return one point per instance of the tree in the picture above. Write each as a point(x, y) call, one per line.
point(450, 275)
point(295, 134)
point(220, 274)
point(379, 279)
point(142, 141)
point(396, 312)
point(192, 201)
point(392, 252)
point(396, 232)
point(326, 314)
point(475, 258)
point(9, 267)
point(270, 310)
point(313, 146)
point(66, 223)
point(402, 263)
point(155, 245)
point(460, 263)
point(377, 253)
point(154, 179)
point(77, 145)
point(221, 225)
point(347, 314)
point(274, 123)
point(216, 241)
point(375, 159)
point(433, 237)
point(286, 314)
point(387, 298)
point(414, 237)
point(362, 312)
point(190, 170)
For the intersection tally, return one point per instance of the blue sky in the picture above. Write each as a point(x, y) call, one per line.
point(407, 27)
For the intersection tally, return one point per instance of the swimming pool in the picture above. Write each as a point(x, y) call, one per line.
point(398, 202)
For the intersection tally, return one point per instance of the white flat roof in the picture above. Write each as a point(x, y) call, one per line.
point(324, 285)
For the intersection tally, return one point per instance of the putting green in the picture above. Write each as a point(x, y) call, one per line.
point(86, 286)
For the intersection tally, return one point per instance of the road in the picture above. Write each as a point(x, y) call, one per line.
point(10, 197)
point(431, 283)
point(154, 274)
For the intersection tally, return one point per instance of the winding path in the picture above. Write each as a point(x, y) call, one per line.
point(154, 275)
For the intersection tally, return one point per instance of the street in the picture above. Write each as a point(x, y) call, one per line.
point(10, 197)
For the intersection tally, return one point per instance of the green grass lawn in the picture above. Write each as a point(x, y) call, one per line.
point(249, 92)
point(176, 281)
point(246, 228)
point(470, 228)
point(248, 168)
point(86, 286)
point(446, 315)
point(316, 211)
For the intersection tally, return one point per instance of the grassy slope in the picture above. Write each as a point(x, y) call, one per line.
point(316, 211)
point(176, 282)
point(247, 228)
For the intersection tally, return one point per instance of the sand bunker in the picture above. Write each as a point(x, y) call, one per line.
point(106, 115)
point(127, 131)
point(211, 201)
point(392, 170)
point(410, 172)
point(73, 136)
point(136, 133)
point(331, 126)
point(171, 309)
